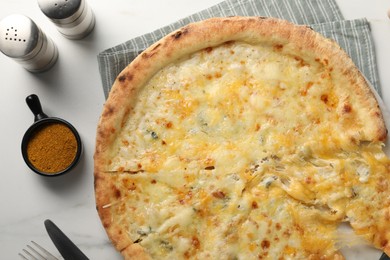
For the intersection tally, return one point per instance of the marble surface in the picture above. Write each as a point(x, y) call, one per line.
point(72, 90)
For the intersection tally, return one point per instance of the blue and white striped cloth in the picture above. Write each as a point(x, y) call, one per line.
point(324, 16)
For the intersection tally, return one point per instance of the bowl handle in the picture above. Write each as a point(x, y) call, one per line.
point(35, 106)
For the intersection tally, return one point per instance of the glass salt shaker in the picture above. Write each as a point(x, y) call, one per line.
point(23, 41)
point(74, 19)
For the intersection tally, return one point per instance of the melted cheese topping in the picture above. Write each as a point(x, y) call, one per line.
point(241, 152)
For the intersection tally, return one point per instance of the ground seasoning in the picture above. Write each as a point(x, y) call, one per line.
point(52, 148)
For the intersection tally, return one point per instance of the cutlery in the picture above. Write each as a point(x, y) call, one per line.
point(39, 252)
point(64, 245)
point(384, 257)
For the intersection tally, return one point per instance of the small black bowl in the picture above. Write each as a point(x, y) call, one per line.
point(41, 120)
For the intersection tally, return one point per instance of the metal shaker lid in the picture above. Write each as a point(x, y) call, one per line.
point(19, 36)
point(59, 9)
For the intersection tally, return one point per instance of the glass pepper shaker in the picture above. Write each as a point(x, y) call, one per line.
point(23, 41)
point(74, 19)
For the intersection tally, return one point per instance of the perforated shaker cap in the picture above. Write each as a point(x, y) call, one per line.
point(19, 36)
point(59, 9)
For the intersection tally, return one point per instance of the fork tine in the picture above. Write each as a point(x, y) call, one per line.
point(42, 249)
point(22, 256)
point(33, 253)
point(48, 254)
point(36, 252)
point(29, 254)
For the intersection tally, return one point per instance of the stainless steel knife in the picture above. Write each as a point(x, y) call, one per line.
point(65, 246)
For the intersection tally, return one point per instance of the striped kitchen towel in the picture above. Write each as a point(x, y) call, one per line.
point(324, 16)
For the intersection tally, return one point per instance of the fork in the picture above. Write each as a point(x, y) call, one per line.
point(37, 254)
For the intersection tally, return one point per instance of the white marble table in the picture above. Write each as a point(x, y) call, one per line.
point(72, 90)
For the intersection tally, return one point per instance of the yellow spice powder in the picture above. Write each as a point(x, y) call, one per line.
point(52, 148)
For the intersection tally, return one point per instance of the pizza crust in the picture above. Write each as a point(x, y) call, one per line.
point(300, 40)
point(104, 192)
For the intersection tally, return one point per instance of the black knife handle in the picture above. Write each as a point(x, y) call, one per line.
point(384, 257)
point(65, 246)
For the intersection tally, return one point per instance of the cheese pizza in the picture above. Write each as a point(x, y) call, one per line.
point(241, 138)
